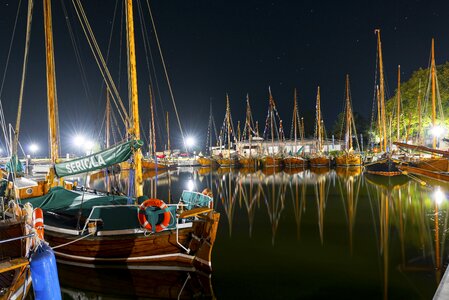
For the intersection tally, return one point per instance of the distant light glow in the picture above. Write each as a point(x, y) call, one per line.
point(190, 185)
point(439, 196)
point(89, 145)
point(190, 141)
point(33, 148)
point(437, 131)
point(79, 140)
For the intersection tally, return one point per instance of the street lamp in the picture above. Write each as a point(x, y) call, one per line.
point(437, 131)
point(439, 196)
point(33, 148)
point(190, 142)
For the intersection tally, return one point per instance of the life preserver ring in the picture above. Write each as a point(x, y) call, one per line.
point(143, 217)
point(38, 222)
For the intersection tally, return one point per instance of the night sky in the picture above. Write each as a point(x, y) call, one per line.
point(216, 47)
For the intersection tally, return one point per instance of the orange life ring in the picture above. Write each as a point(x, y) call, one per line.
point(38, 222)
point(143, 217)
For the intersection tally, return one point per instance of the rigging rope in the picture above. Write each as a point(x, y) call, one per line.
point(24, 70)
point(100, 61)
point(166, 75)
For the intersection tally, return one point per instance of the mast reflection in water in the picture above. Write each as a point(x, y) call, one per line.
point(306, 234)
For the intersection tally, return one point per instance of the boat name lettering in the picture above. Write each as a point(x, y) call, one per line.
point(85, 164)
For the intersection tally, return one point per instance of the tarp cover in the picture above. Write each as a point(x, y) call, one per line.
point(99, 160)
point(59, 199)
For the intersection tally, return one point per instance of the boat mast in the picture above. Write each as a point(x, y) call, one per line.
point(348, 117)
point(228, 124)
point(248, 124)
point(134, 130)
point(22, 83)
point(379, 117)
point(419, 113)
point(434, 109)
point(382, 91)
point(318, 119)
point(398, 117)
point(153, 131)
point(168, 131)
point(271, 121)
point(295, 119)
point(108, 118)
point(51, 84)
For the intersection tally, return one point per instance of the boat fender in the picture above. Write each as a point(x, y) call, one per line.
point(143, 217)
point(44, 273)
point(38, 222)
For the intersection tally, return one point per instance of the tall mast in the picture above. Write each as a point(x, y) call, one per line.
point(108, 118)
point(434, 109)
point(248, 124)
point(398, 117)
point(271, 121)
point(348, 136)
point(228, 122)
point(318, 119)
point(134, 130)
point(382, 90)
point(168, 131)
point(295, 119)
point(302, 129)
point(419, 113)
point(379, 118)
point(22, 83)
point(153, 131)
point(51, 83)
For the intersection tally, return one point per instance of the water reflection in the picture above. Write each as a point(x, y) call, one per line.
point(391, 232)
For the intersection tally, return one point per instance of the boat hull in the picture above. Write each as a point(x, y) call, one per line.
point(348, 160)
point(206, 161)
point(320, 161)
point(270, 161)
point(228, 162)
point(294, 162)
point(248, 162)
point(149, 250)
point(385, 167)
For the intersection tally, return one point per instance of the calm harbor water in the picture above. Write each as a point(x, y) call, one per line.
point(304, 234)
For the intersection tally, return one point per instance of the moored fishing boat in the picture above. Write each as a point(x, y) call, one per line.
point(92, 230)
point(294, 158)
point(348, 157)
point(319, 159)
point(207, 161)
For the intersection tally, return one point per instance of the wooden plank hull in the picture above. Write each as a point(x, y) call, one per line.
point(386, 167)
point(320, 161)
point(294, 162)
point(228, 162)
point(271, 161)
point(348, 159)
point(207, 161)
point(158, 249)
point(248, 162)
point(441, 176)
point(14, 281)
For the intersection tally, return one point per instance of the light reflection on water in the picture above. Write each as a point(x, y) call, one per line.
point(316, 233)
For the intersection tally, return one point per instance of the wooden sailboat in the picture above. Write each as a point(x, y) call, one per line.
point(319, 159)
point(295, 160)
point(15, 280)
point(208, 160)
point(434, 166)
point(90, 230)
point(247, 159)
point(348, 158)
point(272, 158)
point(385, 165)
point(227, 158)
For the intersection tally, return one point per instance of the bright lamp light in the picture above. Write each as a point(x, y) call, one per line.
point(33, 148)
point(436, 131)
point(190, 141)
point(439, 196)
point(79, 140)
